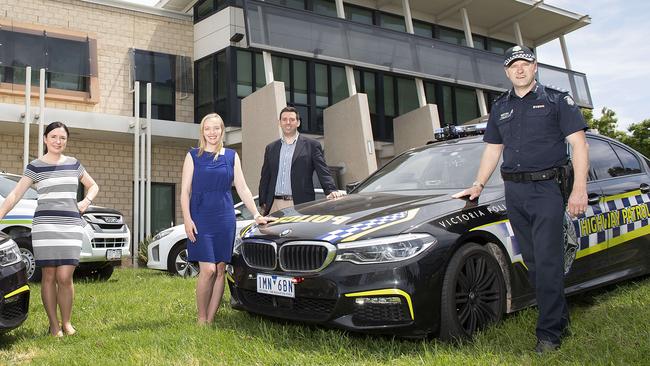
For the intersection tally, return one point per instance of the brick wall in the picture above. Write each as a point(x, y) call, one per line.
point(116, 30)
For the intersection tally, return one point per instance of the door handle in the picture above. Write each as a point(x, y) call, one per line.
point(593, 199)
point(644, 187)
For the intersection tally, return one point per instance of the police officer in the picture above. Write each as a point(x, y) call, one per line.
point(529, 125)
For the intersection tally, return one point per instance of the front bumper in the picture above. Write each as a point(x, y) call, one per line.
point(96, 252)
point(386, 299)
point(14, 303)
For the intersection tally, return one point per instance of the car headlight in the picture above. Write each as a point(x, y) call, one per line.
point(162, 234)
point(237, 246)
point(383, 250)
point(9, 254)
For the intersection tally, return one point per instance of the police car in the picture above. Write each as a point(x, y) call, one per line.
point(400, 256)
point(14, 291)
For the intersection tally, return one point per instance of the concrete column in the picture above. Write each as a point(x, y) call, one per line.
point(415, 128)
point(340, 9)
point(350, 145)
point(259, 115)
point(419, 87)
point(349, 77)
point(268, 67)
point(470, 43)
point(518, 36)
point(565, 53)
point(408, 20)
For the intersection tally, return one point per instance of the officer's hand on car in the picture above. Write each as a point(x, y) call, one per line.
point(190, 230)
point(473, 192)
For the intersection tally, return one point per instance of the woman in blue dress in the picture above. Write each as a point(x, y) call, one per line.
point(208, 214)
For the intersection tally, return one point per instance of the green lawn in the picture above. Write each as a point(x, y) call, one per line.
point(147, 317)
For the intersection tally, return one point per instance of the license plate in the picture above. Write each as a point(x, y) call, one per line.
point(113, 254)
point(275, 285)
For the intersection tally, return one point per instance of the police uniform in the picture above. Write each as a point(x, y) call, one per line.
point(532, 130)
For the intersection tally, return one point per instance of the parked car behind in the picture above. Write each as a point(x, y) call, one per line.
point(110, 244)
point(400, 256)
point(168, 249)
point(14, 291)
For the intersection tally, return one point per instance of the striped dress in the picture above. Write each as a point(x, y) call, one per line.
point(57, 229)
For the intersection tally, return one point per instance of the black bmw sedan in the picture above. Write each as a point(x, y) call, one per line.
point(14, 291)
point(400, 256)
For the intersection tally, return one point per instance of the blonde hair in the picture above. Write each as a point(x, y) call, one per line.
point(202, 141)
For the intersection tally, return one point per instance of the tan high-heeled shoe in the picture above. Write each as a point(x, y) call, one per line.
point(69, 332)
point(59, 334)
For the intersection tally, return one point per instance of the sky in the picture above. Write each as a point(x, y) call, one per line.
point(613, 51)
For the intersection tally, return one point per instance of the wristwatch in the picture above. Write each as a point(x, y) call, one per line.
point(479, 184)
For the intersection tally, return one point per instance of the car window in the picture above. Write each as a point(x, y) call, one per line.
point(7, 184)
point(444, 166)
point(603, 161)
point(631, 164)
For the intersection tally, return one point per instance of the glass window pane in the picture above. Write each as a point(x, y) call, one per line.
point(281, 72)
point(389, 96)
point(260, 75)
point(339, 84)
point(447, 106)
point(202, 111)
point(163, 68)
point(68, 56)
point(28, 50)
point(466, 105)
point(300, 81)
point(204, 81)
point(321, 87)
point(631, 164)
point(423, 29)
point(370, 87)
point(325, 7)
point(162, 206)
point(204, 8)
point(358, 14)
point(244, 73)
point(479, 41)
point(407, 95)
point(222, 76)
point(602, 160)
point(394, 22)
point(357, 82)
point(451, 35)
point(67, 81)
point(497, 46)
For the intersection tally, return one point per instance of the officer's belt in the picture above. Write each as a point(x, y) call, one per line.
point(530, 176)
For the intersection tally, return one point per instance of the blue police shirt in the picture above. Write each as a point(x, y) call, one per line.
point(533, 128)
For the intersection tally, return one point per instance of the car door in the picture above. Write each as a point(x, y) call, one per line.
point(625, 183)
point(590, 258)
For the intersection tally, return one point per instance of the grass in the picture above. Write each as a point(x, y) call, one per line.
point(145, 317)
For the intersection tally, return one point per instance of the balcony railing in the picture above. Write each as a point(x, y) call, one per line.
point(276, 28)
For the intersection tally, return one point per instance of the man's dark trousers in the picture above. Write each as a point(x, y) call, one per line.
point(536, 212)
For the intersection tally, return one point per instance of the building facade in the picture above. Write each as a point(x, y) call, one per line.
point(210, 55)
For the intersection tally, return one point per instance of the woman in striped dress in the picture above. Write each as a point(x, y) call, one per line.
point(57, 229)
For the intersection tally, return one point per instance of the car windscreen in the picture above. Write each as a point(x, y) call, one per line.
point(8, 183)
point(445, 166)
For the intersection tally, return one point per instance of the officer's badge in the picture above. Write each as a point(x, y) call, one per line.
point(505, 115)
point(569, 100)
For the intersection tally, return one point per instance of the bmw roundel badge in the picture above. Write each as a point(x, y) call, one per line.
point(285, 233)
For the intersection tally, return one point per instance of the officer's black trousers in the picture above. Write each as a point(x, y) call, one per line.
point(536, 212)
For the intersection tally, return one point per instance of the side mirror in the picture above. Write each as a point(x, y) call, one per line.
point(351, 186)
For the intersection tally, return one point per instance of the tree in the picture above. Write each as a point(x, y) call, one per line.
point(605, 125)
point(640, 137)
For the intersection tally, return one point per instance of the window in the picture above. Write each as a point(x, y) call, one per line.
point(631, 164)
point(205, 8)
point(324, 7)
point(204, 99)
point(359, 14)
point(163, 208)
point(69, 60)
point(422, 29)
point(466, 105)
point(159, 70)
point(330, 87)
point(293, 73)
point(407, 96)
point(391, 21)
point(603, 162)
point(497, 46)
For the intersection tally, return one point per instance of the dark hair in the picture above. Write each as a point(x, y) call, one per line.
point(290, 109)
point(52, 126)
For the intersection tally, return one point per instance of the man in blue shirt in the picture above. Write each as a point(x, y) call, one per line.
point(529, 125)
point(289, 165)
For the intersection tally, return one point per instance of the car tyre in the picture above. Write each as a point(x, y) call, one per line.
point(26, 251)
point(473, 293)
point(177, 263)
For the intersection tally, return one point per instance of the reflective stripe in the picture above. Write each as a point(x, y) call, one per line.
point(16, 292)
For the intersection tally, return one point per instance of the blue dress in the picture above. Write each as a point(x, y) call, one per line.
point(211, 207)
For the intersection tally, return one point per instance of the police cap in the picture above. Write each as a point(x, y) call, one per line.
point(518, 53)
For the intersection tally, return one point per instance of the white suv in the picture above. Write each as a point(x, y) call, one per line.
point(110, 245)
